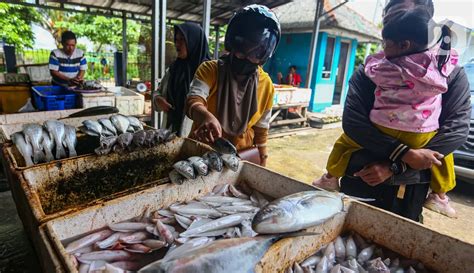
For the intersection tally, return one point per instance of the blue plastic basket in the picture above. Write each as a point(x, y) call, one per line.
point(46, 98)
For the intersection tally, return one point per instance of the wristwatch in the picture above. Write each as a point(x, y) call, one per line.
point(395, 168)
point(264, 157)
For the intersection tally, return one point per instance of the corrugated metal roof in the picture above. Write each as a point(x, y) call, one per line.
point(298, 16)
point(186, 10)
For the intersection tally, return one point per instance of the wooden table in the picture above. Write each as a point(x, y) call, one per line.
point(277, 109)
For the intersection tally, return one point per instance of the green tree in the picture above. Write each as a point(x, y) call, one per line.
point(15, 25)
point(360, 53)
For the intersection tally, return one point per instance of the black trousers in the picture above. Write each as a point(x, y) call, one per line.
point(385, 196)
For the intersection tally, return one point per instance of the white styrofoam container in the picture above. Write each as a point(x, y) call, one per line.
point(128, 102)
point(301, 95)
point(39, 73)
point(97, 99)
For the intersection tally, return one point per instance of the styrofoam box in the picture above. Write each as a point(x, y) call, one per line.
point(128, 102)
point(97, 99)
point(39, 73)
point(301, 95)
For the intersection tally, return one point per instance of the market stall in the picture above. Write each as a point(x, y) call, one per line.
point(289, 99)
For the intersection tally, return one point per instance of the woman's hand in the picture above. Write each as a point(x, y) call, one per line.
point(209, 130)
point(375, 173)
point(421, 159)
point(162, 103)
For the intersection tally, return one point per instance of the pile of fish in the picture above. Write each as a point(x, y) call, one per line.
point(121, 133)
point(196, 165)
point(39, 144)
point(213, 233)
point(353, 254)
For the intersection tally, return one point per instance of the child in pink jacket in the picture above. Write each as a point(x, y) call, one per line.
point(410, 79)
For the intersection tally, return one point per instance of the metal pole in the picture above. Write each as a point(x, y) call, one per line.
point(367, 47)
point(314, 42)
point(155, 54)
point(216, 47)
point(162, 38)
point(206, 17)
point(124, 48)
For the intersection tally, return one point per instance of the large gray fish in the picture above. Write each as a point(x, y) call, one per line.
point(120, 122)
point(297, 211)
point(199, 165)
point(150, 139)
point(34, 135)
point(93, 128)
point(224, 146)
point(231, 161)
point(185, 168)
point(176, 178)
point(139, 138)
point(57, 132)
point(214, 161)
point(70, 140)
point(23, 147)
point(108, 142)
point(107, 124)
point(223, 222)
point(48, 146)
point(124, 140)
point(135, 123)
point(226, 255)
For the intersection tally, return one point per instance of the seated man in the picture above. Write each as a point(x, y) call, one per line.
point(67, 65)
point(293, 78)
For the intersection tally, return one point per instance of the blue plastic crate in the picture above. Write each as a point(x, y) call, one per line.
point(46, 98)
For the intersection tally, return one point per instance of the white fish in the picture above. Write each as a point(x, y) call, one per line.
point(135, 123)
point(237, 209)
point(190, 244)
point(70, 140)
point(48, 146)
point(297, 211)
point(231, 161)
point(23, 147)
point(185, 169)
point(297, 268)
point(154, 244)
point(322, 266)
point(351, 248)
point(165, 232)
point(137, 248)
point(120, 122)
point(88, 240)
point(135, 238)
point(340, 248)
point(311, 261)
point(224, 222)
point(330, 253)
point(199, 165)
point(34, 136)
point(214, 161)
point(221, 189)
point(259, 199)
point(183, 221)
point(247, 230)
point(198, 209)
point(92, 128)
point(110, 241)
point(128, 226)
point(176, 178)
point(235, 192)
point(365, 254)
point(107, 124)
point(105, 255)
point(216, 199)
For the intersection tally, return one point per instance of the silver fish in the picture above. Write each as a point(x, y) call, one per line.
point(23, 147)
point(226, 255)
point(135, 123)
point(88, 240)
point(377, 266)
point(365, 254)
point(108, 142)
point(58, 133)
point(237, 209)
point(107, 124)
point(297, 211)
point(194, 209)
point(34, 136)
point(351, 248)
point(199, 165)
point(224, 146)
point(185, 168)
point(323, 265)
point(124, 140)
point(48, 146)
point(139, 138)
point(176, 178)
point(120, 122)
point(311, 261)
point(128, 226)
point(214, 161)
point(154, 244)
point(297, 268)
point(131, 129)
point(223, 222)
point(105, 255)
point(231, 161)
point(247, 230)
point(340, 248)
point(183, 221)
point(138, 248)
point(190, 243)
point(70, 140)
point(93, 127)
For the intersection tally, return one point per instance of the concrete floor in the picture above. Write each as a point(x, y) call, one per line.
point(304, 158)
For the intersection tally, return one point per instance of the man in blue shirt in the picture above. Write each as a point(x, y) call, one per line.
point(67, 65)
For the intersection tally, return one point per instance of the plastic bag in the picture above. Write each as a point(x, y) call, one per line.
point(28, 107)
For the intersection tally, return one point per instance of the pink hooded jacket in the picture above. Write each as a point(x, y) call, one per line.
point(409, 88)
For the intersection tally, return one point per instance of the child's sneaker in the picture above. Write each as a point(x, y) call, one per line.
point(440, 205)
point(327, 183)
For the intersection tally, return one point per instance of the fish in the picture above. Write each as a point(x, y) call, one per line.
point(93, 127)
point(351, 248)
point(164, 232)
point(34, 136)
point(108, 142)
point(138, 248)
point(340, 248)
point(199, 165)
point(185, 169)
point(70, 140)
point(57, 132)
point(194, 209)
point(235, 192)
point(120, 122)
point(107, 125)
point(106, 256)
point(311, 261)
point(154, 244)
point(100, 151)
point(183, 221)
point(330, 253)
point(88, 240)
point(135, 238)
point(214, 161)
point(297, 211)
point(112, 239)
point(135, 123)
point(139, 138)
point(226, 255)
point(128, 226)
point(224, 146)
point(323, 265)
point(220, 200)
point(220, 223)
point(365, 254)
point(124, 140)
point(176, 178)
point(150, 139)
point(237, 209)
point(23, 147)
point(297, 268)
point(231, 161)
point(377, 266)
point(258, 199)
point(48, 146)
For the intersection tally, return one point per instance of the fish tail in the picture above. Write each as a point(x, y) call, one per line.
point(60, 151)
point(72, 151)
point(38, 156)
point(49, 155)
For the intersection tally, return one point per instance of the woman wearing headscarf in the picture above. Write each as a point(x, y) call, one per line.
point(233, 97)
point(385, 165)
point(192, 49)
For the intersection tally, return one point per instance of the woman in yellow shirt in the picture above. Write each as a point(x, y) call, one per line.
point(233, 97)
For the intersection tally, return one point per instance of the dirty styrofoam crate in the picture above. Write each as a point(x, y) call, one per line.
point(128, 102)
point(96, 99)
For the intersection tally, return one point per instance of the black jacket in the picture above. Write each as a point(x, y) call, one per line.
point(453, 131)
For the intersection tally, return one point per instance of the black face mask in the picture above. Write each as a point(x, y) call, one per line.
point(242, 66)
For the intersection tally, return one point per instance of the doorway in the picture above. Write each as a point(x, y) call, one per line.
point(341, 72)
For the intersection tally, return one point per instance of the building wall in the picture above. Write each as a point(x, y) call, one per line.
point(294, 49)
